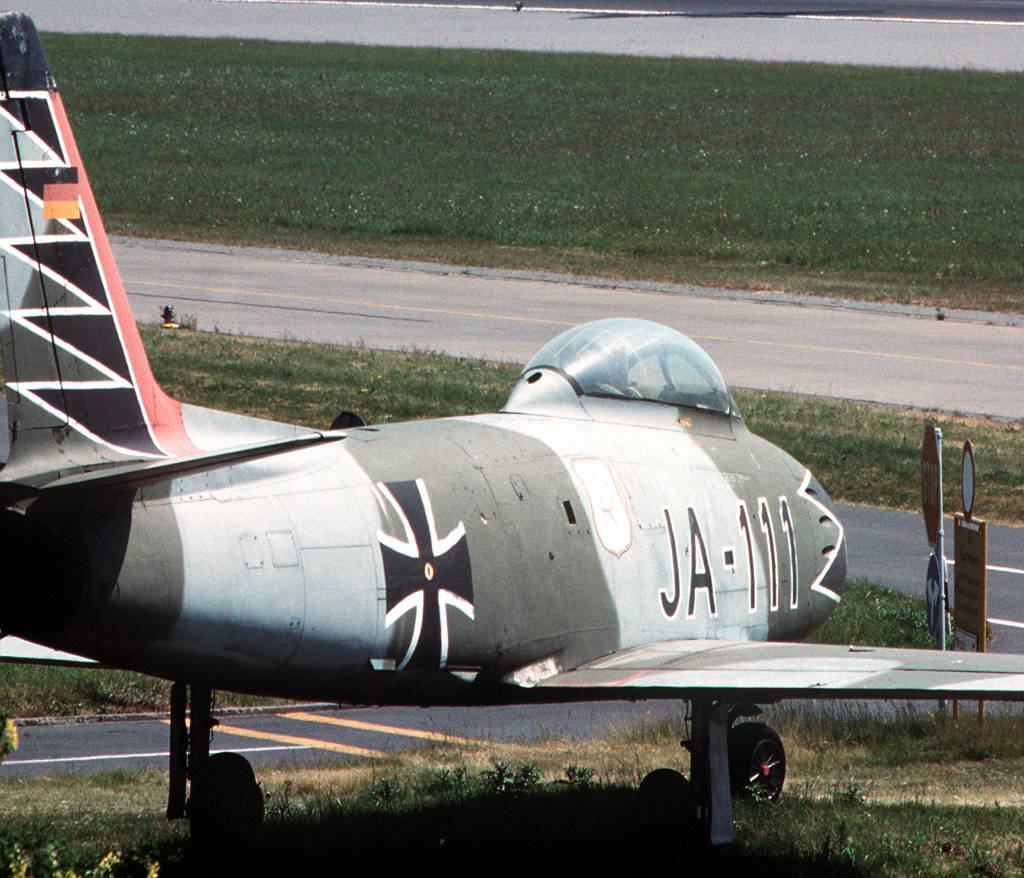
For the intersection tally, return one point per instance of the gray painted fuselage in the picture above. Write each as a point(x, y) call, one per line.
point(610, 524)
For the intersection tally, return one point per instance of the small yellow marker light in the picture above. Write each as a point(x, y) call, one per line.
point(167, 318)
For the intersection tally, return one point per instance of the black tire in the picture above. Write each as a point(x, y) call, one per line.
point(757, 761)
point(667, 808)
point(228, 807)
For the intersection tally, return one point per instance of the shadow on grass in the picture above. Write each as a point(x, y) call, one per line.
point(595, 828)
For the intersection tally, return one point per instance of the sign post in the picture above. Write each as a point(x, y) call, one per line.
point(970, 570)
point(931, 503)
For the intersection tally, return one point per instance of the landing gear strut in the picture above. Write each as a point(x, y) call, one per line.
point(226, 803)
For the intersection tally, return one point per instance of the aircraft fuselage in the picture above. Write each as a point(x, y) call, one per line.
point(465, 549)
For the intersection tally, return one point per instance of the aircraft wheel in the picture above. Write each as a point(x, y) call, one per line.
point(667, 804)
point(228, 808)
point(757, 761)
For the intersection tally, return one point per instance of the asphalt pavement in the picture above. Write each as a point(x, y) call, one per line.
point(315, 733)
point(969, 363)
point(953, 35)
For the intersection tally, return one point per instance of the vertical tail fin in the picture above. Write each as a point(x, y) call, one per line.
point(79, 387)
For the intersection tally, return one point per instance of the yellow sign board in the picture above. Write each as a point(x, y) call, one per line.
point(970, 553)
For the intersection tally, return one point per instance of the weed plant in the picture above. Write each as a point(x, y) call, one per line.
point(874, 615)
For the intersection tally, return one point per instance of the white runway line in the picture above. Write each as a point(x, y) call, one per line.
point(1014, 570)
point(1008, 622)
point(162, 754)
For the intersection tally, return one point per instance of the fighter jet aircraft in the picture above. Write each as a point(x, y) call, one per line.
point(615, 530)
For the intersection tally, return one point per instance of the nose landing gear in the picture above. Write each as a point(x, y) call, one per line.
point(747, 759)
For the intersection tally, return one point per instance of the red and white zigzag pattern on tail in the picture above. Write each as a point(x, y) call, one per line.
point(160, 413)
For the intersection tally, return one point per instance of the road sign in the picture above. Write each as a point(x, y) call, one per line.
point(931, 480)
point(970, 542)
point(967, 480)
point(933, 598)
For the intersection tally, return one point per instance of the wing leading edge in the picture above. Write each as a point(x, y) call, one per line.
point(16, 650)
point(766, 671)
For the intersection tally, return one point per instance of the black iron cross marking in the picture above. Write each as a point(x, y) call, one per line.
point(424, 574)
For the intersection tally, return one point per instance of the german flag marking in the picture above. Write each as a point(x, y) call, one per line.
point(60, 201)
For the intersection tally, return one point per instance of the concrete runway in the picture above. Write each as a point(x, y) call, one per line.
point(950, 35)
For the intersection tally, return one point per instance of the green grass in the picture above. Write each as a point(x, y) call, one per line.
point(915, 794)
point(872, 454)
point(897, 184)
point(310, 384)
point(876, 616)
point(43, 690)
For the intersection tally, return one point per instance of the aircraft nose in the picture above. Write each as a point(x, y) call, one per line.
point(835, 577)
point(833, 540)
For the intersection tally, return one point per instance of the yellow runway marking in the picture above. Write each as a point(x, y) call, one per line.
point(294, 739)
point(857, 352)
point(417, 309)
point(376, 727)
point(511, 318)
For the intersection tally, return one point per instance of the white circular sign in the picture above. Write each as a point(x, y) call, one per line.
point(967, 479)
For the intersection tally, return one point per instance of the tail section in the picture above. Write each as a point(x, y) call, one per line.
point(80, 391)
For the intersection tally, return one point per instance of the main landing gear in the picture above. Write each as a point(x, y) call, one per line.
point(226, 804)
point(746, 759)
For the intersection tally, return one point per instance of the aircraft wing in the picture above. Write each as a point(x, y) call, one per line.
point(14, 649)
point(136, 474)
point(767, 671)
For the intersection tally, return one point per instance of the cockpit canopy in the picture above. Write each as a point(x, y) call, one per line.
point(635, 359)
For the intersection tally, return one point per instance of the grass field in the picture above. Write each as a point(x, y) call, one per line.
point(896, 184)
point(913, 794)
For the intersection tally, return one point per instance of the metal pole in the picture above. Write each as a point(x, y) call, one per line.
point(940, 551)
point(177, 753)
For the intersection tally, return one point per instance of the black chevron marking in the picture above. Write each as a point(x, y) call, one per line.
point(38, 119)
point(35, 178)
point(113, 414)
point(35, 116)
point(73, 260)
point(93, 335)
